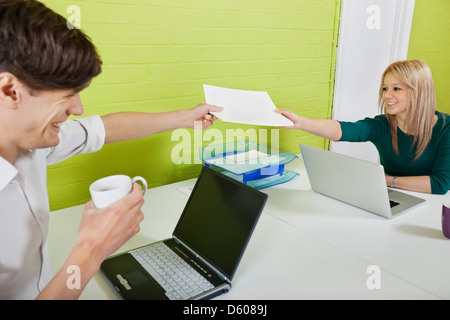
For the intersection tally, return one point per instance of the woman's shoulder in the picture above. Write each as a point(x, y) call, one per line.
point(381, 118)
point(443, 115)
point(379, 121)
point(443, 124)
point(443, 119)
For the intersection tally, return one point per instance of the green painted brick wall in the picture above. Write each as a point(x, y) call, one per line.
point(429, 41)
point(157, 54)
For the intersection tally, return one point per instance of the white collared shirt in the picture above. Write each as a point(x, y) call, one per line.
point(24, 208)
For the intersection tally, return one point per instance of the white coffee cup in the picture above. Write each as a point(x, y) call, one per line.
point(107, 190)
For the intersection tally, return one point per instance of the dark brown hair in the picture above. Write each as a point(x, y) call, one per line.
point(38, 47)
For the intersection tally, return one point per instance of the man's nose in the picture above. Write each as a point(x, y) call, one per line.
point(76, 106)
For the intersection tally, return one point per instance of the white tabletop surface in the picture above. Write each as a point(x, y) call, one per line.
point(305, 246)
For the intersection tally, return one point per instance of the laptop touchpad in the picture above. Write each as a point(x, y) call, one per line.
point(136, 277)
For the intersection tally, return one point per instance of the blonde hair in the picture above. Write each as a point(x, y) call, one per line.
point(416, 76)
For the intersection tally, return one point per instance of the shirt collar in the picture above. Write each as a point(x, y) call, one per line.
point(23, 162)
point(9, 171)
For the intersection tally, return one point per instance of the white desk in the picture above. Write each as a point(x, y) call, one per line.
point(305, 246)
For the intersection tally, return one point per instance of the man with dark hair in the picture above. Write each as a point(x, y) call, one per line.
point(43, 67)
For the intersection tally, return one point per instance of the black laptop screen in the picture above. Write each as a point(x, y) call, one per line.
point(219, 219)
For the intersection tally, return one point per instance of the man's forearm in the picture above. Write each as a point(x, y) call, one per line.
point(70, 281)
point(124, 126)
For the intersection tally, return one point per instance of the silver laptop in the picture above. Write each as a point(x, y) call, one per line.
point(354, 181)
point(201, 258)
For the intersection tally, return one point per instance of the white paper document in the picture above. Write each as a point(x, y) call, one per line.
point(243, 106)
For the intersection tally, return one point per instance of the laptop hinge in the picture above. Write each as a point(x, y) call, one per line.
point(209, 265)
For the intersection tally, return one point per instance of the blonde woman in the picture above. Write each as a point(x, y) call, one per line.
point(412, 138)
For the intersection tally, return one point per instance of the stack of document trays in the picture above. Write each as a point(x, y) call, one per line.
point(253, 164)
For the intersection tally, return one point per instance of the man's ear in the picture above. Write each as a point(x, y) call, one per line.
point(9, 93)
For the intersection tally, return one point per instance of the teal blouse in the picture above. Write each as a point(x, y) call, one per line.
point(434, 161)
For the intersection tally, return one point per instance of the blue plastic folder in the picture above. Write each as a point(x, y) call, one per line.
point(253, 164)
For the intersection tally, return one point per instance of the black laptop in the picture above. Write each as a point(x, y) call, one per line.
point(201, 258)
